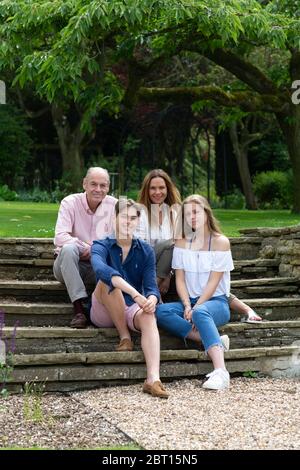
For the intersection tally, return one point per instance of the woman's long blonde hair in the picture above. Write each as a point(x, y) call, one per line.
point(212, 223)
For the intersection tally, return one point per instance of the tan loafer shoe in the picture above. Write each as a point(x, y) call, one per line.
point(156, 389)
point(125, 345)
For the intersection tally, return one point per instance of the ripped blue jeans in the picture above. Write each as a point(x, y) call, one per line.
point(207, 317)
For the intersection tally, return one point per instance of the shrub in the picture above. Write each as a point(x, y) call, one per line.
point(273, 189)
point(7, 194)
point(234, 200)
point(35, 195)
point(61, 190)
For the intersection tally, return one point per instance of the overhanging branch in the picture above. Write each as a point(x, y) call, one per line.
point(245, 100)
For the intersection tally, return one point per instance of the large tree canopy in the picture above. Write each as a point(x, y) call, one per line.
point(78, 47)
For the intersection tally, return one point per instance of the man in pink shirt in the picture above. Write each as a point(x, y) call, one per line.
point(82, 218)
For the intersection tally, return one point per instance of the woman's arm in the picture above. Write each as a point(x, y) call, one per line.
point(210, 288)
point(183, 293)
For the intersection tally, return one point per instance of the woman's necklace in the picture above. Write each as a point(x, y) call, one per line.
point(191, 240)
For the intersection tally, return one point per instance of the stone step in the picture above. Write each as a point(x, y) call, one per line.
point(247, 269)
point(53, 290)
point(272, 287)
point(49, 340)
point(264, 281)
point(266, 287)
point(33, 291)
point(41, 269)
point(242, 247)
point(26, 248)
point(26, 269)
point(73, 371)
point(60, 314)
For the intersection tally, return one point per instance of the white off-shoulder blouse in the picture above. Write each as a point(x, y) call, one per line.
point(198, 264)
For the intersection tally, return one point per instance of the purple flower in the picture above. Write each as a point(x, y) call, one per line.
point(13, 339)
point(2, 323)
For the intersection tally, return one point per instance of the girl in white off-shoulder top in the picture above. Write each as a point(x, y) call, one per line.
point(202, 262)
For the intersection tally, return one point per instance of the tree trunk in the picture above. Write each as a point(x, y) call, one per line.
point(291, 129)
point(70, 143)
point(241, 156)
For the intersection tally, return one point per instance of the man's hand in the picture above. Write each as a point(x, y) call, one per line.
point(86, 254)
point(164, 285)
point(140, 300)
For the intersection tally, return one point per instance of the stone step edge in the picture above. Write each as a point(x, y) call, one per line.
point(138, 357)
point(38, 262)
point(35, 308)
point(55, 285)
point(67, 332)
point(257, 262)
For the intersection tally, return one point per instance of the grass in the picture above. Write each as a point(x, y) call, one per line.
point(233, 220)
point(29, 219)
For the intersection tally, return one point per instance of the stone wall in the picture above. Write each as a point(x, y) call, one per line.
point(281, 243)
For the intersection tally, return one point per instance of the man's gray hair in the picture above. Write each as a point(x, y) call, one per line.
point(99, 169)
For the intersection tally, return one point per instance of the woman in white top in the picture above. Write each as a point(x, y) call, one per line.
point(202, 261)
point(161, 202)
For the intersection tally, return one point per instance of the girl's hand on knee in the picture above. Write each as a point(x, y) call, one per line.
point(188, 313)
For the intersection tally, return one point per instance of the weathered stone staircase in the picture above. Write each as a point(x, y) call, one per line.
point(48, 350)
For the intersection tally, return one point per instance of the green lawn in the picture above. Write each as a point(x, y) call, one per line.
point(27, 219)
point(233, 220)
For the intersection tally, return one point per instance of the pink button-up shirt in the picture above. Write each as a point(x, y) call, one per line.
point(76, 223)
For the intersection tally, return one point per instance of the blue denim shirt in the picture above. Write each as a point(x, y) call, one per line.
point(138, 269)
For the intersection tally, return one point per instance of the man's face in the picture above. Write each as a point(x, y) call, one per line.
point(96, 186)
point(127, 221)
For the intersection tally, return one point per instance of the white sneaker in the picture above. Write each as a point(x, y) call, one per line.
point(226, 342)
point(219, 379)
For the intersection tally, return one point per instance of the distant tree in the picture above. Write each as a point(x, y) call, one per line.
point(15, 145)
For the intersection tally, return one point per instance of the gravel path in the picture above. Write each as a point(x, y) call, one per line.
point(253, 414)
point(59, 423)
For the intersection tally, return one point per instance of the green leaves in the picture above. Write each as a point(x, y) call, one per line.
point(75, 45)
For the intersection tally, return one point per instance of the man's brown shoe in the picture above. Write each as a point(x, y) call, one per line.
point(125, 345)
point(79, 321)
point(156, 389)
